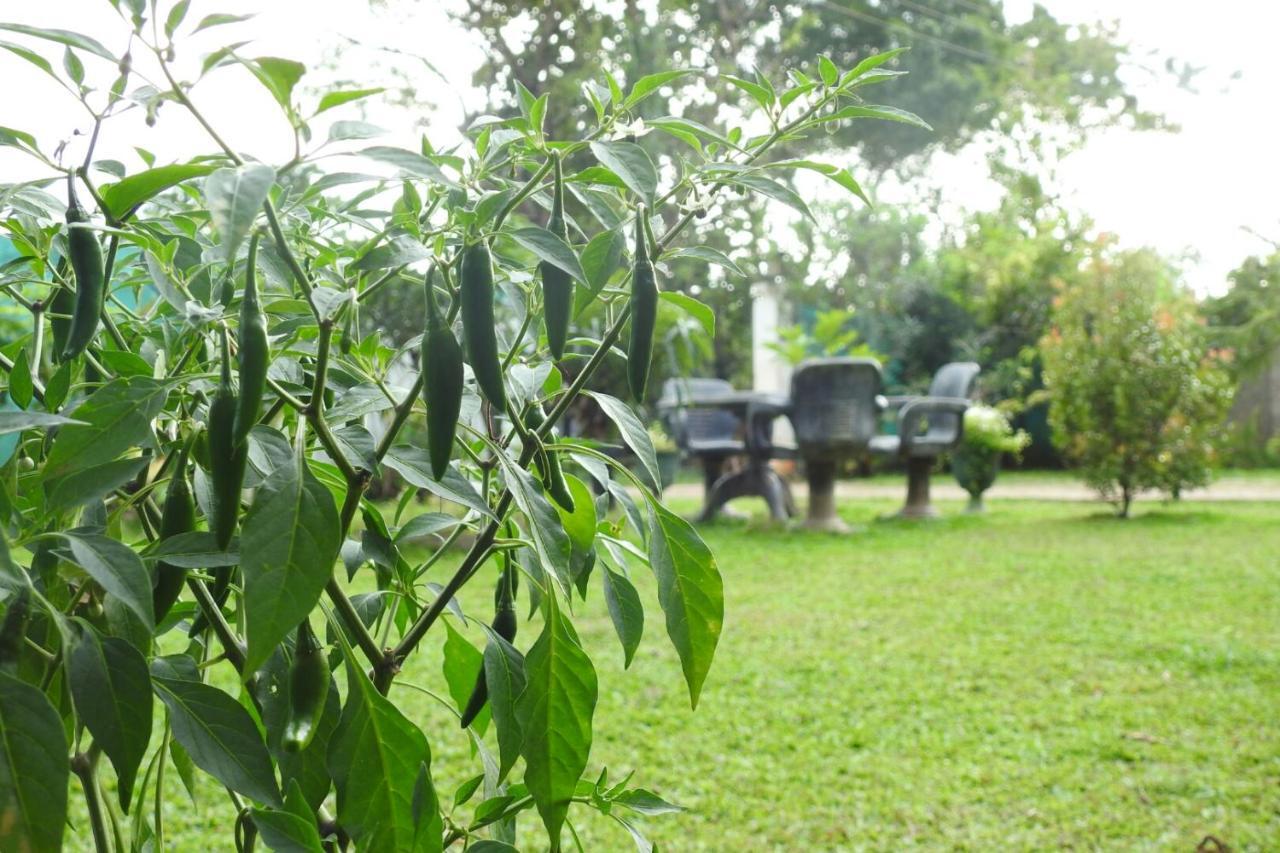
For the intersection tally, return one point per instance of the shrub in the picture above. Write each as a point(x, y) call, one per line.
point(1136, 401)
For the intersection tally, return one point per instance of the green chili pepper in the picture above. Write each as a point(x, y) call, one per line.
point(504, 625)
point(478, 324)
point(549, 462)
point(179, 516)
point(350, 329)
point(255, 352)
point(62, 303)
point(308, 690)
point(644, 313)
point(441, 382)
point(227, 458)
point(86, 260)
point(557, 285)
point(16, 618)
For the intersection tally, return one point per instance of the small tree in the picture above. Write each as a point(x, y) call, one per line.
point(1136, 402)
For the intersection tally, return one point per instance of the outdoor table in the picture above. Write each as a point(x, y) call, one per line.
point(756, 410)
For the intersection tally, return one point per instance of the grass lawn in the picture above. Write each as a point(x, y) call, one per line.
point(1039, 677)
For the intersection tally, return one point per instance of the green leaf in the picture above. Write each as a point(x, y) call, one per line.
point(399, 251)
point(549, 539)
point(581, 523)
point(218, 733)
point(344, 96)
point(631, 163)
point(279, 76)
point(234, 197)
point(651, 83)
point(375, 757)
point(341, 131)
point(35, 59)
point(126, 194)
point(646, 802)
point(827, 68)
point(91, 484)
point(684, 128)
point(116, 568)
point(291, 829)
point(550, 248)
point(704, 253)
point(410, 162)
point(600, 259)
point(34, 770)
point(626, 612)
point(288, 543)
point(18, 421)
point(840, 176)
point(65, 37)
point(633, 433)
point(760, 94)
point(880, 112)
point(194, 550)
point(461, 664)
point(690, 591)
point(772, 189)
point(112, 692)
point(219, 19)
point(176, 15)
point(873, 61)
point(412, 464)
point(113, 419)
point(697, 310)
point(504, 675)
point(555, 713)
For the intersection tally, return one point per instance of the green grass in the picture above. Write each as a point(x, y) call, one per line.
point(1043, 676)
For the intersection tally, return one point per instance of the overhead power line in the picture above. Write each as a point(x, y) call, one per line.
point(971, 53)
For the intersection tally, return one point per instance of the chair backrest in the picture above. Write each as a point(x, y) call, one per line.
point(833, 405)
point(952, 380)
point(691, 425)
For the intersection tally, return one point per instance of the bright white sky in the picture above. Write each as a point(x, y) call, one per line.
point(1190, 193)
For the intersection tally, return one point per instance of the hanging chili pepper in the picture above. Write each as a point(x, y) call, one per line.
point(478, 324)
point(557, 285)
point(86, 260)
point(549, 462)
point(644, 313)
point(255, 351)
point(441, 382)
point(178, 516)
point(504, 625)
point(308, 690)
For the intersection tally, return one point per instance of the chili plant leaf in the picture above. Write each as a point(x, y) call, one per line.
point(112, 692)
point(288, 544)
point(34, 769)
point(219, 735)
point(690, 591)
point(555, 713)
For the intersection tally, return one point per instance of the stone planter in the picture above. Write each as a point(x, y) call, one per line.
point(975, 469)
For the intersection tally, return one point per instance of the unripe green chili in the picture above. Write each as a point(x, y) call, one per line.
point(476, 296)
point(14, 628)
point(549, 463)
point(441, 382)
point(255, 352)
point(227, 458)
point(62, 304)
point(350, 329)
point(308, 690)
point(86, 260)
point(178, 516)
point(644, 313)
point(557, 285)
point(504, 625)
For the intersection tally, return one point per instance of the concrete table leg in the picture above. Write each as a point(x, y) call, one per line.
point(822, 498)
point(918, 505)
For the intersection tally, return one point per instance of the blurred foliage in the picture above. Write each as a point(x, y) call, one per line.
point(1137, 401)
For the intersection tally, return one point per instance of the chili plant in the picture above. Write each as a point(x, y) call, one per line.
point(192, 422)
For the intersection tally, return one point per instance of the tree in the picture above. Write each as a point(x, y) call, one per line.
point(1136, 401)
point(210, 362)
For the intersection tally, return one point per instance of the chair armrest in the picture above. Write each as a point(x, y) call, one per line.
point(919, 408)
point(882, 402)
point(897, 401)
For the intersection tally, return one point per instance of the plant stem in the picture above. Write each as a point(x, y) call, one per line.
point(213, 614)
point(85, 764)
